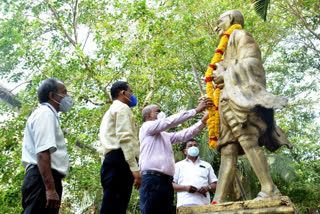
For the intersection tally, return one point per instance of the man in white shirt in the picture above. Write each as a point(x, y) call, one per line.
point(193, 178)
point(44, 151)
point(119, 150)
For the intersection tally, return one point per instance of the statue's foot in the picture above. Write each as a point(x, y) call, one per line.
point(274, 194)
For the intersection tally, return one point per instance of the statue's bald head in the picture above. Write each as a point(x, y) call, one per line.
point(235, 15)
point(147, 112)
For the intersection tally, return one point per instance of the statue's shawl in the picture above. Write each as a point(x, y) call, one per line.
point(245, 83)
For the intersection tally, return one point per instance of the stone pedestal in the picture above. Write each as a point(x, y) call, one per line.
point(269, 205)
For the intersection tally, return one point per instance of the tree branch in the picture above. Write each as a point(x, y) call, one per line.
point(209, 23)
point(302, 33)
point(150, 93)
point(17, 86)
point(85, 42)
point(85, 62)
point(93, 102)
point(75, 21)
point(297, 14)
point(80, 144)
point(8, 97)
point(197, 78)
point(56, 16)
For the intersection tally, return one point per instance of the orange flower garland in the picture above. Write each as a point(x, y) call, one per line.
point(213, 121)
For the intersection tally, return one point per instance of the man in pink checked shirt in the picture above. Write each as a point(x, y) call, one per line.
point(156, 155)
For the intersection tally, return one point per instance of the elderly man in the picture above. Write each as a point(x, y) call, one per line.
point(193, 178)
point(44, 151)
point(246, 109)
point(156, 155)
point(120, 150)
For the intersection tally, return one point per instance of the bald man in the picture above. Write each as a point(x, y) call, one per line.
point(156, 155)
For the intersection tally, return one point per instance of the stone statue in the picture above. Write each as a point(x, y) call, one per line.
point(246, 109)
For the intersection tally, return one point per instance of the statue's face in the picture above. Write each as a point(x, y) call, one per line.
point(223, 25)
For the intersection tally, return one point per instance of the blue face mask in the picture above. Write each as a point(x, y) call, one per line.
point(133, 101)
point(193, 151)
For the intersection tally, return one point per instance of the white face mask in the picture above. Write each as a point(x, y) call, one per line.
point(193, 151)
point(161, 115)
point(65, 103)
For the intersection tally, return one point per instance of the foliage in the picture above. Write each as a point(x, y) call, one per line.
point(90, 44)
point(261, 7)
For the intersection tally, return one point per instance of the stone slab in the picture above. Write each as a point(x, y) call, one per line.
point(269, 205)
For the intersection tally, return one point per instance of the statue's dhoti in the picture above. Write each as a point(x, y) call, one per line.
point(257, 123)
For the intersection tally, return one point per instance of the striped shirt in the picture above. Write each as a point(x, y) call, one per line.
point(118, 130)
point(156, 144)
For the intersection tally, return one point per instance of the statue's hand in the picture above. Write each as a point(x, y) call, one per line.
point(218, 78)
point(221, 85)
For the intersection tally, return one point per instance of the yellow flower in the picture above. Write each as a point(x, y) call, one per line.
point(213, 121)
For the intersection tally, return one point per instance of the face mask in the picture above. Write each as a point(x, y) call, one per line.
point(65, 103)
point(161, 115)
point(133, 101)
point(193, 151)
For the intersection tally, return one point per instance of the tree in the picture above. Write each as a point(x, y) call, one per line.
point(261, 7)
point(89, 44)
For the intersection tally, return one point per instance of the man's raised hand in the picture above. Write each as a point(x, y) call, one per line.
point(204, 104)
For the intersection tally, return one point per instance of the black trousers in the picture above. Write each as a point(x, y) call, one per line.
point(156, 194)
point(117, 181)
point(34, 192)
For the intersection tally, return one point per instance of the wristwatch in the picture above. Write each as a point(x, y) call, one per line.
point(209, 186)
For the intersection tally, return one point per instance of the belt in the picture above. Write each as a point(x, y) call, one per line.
point(160, 174)
point(55, 173)
point(30, 166)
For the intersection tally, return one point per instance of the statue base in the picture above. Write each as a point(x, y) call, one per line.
point(268, 205)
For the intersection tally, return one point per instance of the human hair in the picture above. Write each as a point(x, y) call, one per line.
point(184, 145)
point(117, 87)
point(146, 111)
point(47, 86)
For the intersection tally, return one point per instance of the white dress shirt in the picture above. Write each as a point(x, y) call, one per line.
point(197, 174)
point(43, 132)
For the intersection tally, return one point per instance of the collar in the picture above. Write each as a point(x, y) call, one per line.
point(118, 102)
point(188, 160)
point(52, 109)
point(50, 106)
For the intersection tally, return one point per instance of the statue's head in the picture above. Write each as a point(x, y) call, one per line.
point(228, 19)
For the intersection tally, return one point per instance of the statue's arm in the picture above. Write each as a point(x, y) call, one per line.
point(218, 77)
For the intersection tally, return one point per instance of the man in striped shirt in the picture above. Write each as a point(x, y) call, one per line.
point(120, 150)
point(156, 155)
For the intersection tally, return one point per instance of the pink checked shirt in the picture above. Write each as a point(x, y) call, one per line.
point(155, 144)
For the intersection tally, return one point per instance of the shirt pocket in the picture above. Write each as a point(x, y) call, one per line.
point(202, 172)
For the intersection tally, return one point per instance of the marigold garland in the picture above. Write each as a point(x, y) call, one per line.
point(213, 121)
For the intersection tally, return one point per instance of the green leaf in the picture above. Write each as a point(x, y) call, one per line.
point(261, 8)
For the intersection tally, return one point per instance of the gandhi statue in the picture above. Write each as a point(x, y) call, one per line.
point(246, 109)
